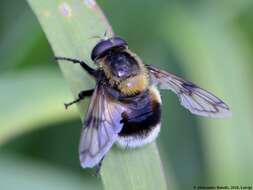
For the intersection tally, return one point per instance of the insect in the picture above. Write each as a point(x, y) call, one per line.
point(125, 105)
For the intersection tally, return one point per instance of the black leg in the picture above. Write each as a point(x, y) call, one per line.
point(81, 96)
point(90, 70)
point(98, 168)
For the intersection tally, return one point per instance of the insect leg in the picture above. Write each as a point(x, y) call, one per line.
point(87, 68)
point(98, 167)
point(81, 96)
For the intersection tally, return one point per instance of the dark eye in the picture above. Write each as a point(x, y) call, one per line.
point(104, 46)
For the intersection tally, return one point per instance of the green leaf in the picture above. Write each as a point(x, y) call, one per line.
point(18, 172)
point(22, 42)
point(70, 26)
point(216, 58)
point(31, 99)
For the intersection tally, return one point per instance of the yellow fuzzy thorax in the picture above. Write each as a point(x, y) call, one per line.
point(134, 84)
point(131, 85)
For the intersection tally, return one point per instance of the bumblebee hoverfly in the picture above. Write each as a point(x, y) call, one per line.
point(125, 105)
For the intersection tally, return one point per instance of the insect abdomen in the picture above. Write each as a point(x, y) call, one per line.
point(142, 125)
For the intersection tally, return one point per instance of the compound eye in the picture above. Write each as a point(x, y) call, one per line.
point(105, 45)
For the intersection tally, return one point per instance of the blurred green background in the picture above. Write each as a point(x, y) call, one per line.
point(207, 42)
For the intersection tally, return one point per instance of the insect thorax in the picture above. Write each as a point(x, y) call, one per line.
point(126, 71)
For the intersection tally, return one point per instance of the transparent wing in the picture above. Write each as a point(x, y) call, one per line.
point(100, 129)
point(192, 97)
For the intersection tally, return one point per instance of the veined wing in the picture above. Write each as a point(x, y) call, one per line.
point(195, 99)
point(101, 127)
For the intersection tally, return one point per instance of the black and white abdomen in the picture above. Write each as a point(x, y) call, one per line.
point(142, 124)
